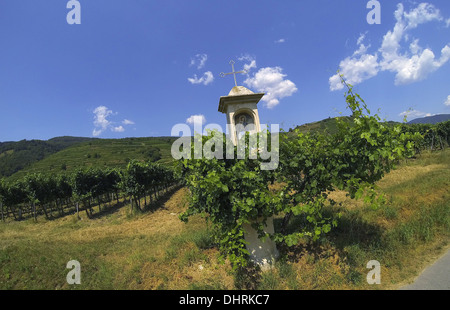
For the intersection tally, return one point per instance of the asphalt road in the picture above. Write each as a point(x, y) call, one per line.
point(434, 277)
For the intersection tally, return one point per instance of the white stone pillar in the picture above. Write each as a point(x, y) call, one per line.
point(243, 100)
point(262, 253)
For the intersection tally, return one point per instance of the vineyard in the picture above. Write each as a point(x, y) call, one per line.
point(435, 137)
point(59, 195)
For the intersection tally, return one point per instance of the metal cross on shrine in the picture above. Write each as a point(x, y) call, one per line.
point(233, 72)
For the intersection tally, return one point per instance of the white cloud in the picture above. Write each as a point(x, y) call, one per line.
point(415, 113)
point(196, 119)
point(127, 122)
point(199, 60)
point(361, 38)
point(250, 62)
point(280, 40)
point(415, 64)
point(424, 13)
point(361, 50)
point(419, 63)
point(269, 80)
point(102, 123)
point(250, 66)
point(207, 78)
point(100, 120)
point(272, 81)
point(447, 102)
point(118, 129)
point(447, 23)
point(418, 66)
point(357, 68)
point(96, 132)
point(414, 47)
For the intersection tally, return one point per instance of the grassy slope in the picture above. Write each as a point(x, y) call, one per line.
point(154, 250)
point(327, 125)
point(15, 156)
point(101, 153)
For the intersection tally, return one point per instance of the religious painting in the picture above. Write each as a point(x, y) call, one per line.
point(244, 122)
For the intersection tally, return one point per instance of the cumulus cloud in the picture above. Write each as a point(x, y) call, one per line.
point(424, 13)
point(409, 64)
point(271, 80)
point(196, 119)
point(355, 69)
point(418, 66)
point(118, 129)
point(419, 63)
point(280, 40)
point(102, 123)
point(447, 102)
point(205, 79)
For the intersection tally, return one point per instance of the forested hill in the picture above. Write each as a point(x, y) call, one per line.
point(15, 156)
point(99, 153)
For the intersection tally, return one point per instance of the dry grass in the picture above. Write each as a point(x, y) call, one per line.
point(153, 250)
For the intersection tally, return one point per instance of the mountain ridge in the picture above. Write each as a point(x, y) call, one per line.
point(433, 119)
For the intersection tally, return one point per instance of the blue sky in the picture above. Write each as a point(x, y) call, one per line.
point(136, 68)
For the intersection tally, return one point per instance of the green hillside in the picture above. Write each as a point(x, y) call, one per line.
point(15, 156)
point(102, 153)
point(69, 153)
point(328, 125)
